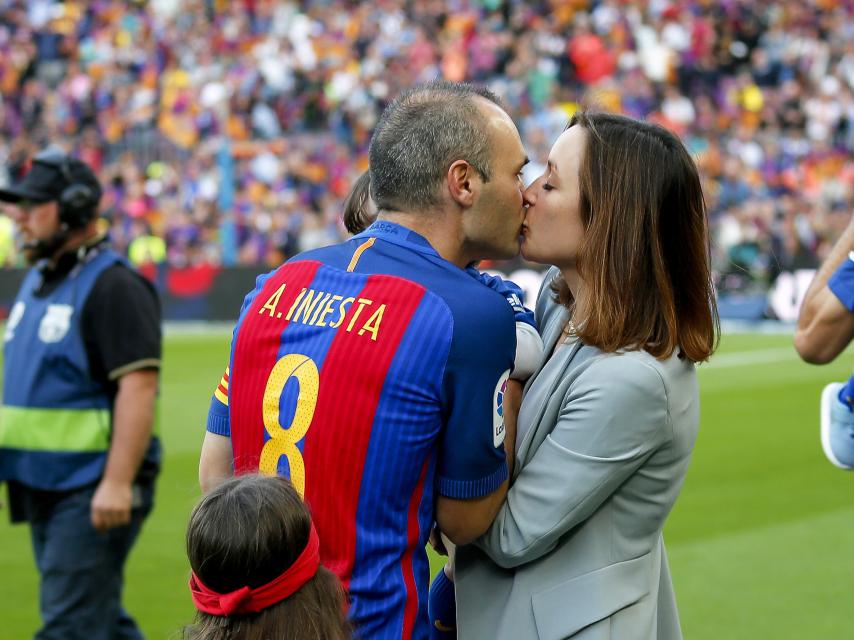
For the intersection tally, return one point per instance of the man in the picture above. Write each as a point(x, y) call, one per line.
point(372, 372)
point(81, 360)
point(825, 328)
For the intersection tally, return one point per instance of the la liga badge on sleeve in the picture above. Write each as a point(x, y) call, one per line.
point(498, 431)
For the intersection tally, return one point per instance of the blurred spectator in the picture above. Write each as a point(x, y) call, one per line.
point(7, 241)
point(232, 130)
point(145, 248)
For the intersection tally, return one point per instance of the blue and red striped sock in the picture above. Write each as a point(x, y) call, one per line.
point(442, 608)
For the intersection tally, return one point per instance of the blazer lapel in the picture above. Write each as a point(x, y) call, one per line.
point(551, 333)
point(562, 360)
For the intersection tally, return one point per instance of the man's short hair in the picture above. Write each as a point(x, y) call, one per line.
point(420, 135)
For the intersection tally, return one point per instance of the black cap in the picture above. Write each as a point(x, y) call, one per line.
point(50, 174)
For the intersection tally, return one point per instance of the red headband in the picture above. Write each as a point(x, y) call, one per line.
point(246, 600)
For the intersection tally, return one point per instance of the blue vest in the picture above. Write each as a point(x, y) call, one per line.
point(55, 423)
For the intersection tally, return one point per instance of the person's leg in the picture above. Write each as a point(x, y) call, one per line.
point(122, 543)
point(126, 627)
point(837, 423)
point(37, 537)
point(82, 572)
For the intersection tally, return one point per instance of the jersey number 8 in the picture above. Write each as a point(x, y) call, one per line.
point(283, 440)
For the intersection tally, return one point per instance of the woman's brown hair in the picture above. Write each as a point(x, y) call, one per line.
point(247, 532)
point(645, 260)
point(358, 213)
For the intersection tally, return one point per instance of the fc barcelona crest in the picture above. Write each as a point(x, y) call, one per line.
point(55, 323)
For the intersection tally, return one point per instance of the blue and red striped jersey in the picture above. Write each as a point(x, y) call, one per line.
point(371, 374)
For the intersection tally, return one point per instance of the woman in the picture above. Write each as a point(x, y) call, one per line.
point(256, 566)
point(609, 419)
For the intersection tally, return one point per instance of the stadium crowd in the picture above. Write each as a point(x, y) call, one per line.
point(230, 132)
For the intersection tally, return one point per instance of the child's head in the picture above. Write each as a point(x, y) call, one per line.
point(256, 566)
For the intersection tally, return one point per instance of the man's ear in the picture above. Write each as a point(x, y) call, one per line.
point(463, 183)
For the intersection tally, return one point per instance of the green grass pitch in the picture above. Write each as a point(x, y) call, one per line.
point(758, 542)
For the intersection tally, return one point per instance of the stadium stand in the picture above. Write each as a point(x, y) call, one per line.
point(231, 131)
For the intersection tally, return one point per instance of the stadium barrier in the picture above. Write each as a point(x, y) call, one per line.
point(212, 293)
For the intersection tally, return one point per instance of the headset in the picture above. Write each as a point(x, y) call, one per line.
point(78, 202)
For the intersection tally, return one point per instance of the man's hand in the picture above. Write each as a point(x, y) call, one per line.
point(436, 542)
point(111, 505)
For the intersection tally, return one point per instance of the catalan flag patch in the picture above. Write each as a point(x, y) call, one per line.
point(221, 392)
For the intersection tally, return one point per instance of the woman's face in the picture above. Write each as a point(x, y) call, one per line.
point(552, 232)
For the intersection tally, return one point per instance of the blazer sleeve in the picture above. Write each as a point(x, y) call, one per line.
point(612, 419)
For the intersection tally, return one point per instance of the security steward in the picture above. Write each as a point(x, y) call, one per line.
point(81, 361)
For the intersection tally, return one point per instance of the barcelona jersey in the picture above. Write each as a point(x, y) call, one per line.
point(371, 373)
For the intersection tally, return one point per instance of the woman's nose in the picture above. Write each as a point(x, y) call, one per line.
point(529, 197)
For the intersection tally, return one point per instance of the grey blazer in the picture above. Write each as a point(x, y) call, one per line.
point(603, 445)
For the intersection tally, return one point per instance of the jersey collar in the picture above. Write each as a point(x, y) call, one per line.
point(399, 235)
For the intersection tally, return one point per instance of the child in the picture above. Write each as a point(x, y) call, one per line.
point(359, 213)
point(256, 566)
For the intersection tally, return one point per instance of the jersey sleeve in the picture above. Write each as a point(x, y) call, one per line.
point(218, 421)
point(529, 345)
point(841, 283)
point(529, 351)
point(472, 460)
point(510, 290)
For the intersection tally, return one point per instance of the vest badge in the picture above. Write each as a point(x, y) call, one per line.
point(55, 323)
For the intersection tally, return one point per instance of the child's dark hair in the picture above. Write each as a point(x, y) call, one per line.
point(358, 213)
point(246, 533)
